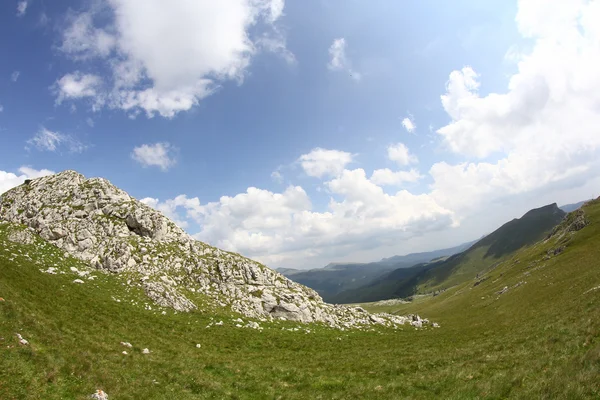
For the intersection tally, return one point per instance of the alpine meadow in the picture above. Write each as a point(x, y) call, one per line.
point(320, 199)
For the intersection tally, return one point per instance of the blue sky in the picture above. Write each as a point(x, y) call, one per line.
point(187, 105)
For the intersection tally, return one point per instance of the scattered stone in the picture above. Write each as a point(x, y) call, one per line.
point(504, 290)
point(145, 351)
point(78, 281)
point(50, 270)
point(99, 395)
point(126, 344)
point(435, 325)
point(124, 352)
point(253, 325)
point(21, 236)
point(21, 340)
point(198, 345)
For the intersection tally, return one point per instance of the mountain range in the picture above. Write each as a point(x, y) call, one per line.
point(335, 278)
point(438, 275)
point(102, 297)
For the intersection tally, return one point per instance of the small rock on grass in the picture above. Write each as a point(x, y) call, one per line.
point(99, 395)
point(21, 340)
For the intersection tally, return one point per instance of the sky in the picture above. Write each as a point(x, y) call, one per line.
point(300, 133)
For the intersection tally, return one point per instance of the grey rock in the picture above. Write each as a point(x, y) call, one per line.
point(99, 395)
point(94, 221)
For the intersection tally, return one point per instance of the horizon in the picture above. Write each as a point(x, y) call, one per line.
point(303, 135)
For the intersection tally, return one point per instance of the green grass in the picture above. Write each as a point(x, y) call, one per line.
point(538, 340)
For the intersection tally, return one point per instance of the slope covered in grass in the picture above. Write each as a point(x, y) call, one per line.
point(485, 254)
point(539, 339)
point(339, 277)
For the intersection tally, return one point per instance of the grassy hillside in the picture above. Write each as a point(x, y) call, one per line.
point(486, 254)
point(539, 339)
point(340, 277)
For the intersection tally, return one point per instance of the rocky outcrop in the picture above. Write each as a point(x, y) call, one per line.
point(96, 222)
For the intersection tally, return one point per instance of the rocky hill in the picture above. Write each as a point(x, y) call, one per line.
point(96, 222)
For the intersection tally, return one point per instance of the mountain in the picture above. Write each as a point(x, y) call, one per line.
point(572, 207)
point(485, 254)
point(527, 329)
point(101, 225)
point(335, 278)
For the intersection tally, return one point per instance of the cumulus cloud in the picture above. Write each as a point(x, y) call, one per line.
point(161, 155)
point(47, 140)
point(387, 177)
point(167, 56)
point(545, 129)
point(409, 124)
point(401, 154)
point(77, 86)
point(279, 227)
point(321, 162)
point(9, 180)
point(339, 61)
point(21, 8)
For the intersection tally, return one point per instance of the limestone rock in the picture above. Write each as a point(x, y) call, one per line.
point(99, 395)
point(22, 340)
point(98, 223)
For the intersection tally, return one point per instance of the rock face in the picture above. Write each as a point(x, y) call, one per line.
point(98, 223)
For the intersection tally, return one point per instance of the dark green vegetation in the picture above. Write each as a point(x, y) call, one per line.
point(540, 339)
point(488, 253)
point(339, 277)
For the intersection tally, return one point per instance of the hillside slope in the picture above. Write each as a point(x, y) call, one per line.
point(339, 277)
point(485, 254)
point(101, 225)
point(531, 330)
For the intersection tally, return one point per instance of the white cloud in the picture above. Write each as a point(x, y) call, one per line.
point(77, 86)
point(544, 131)
point(387, 177)
point(321, 162)
point(277, 176)
point(1, 108)
point(21, 8)
point(9, 180)
point(83, 40)
point(159, 154)
point(339, 61)
point(167, 56)
point(401, 154)
point(282, 228)
point(532, 144)
point(409, 124)
point(14, 76)
point(47, 140)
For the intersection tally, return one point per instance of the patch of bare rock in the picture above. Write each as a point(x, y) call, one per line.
point(100, 224)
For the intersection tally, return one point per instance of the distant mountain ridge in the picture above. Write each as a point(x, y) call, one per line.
point(339, 276)
point(572, 207)
point(483, 255)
